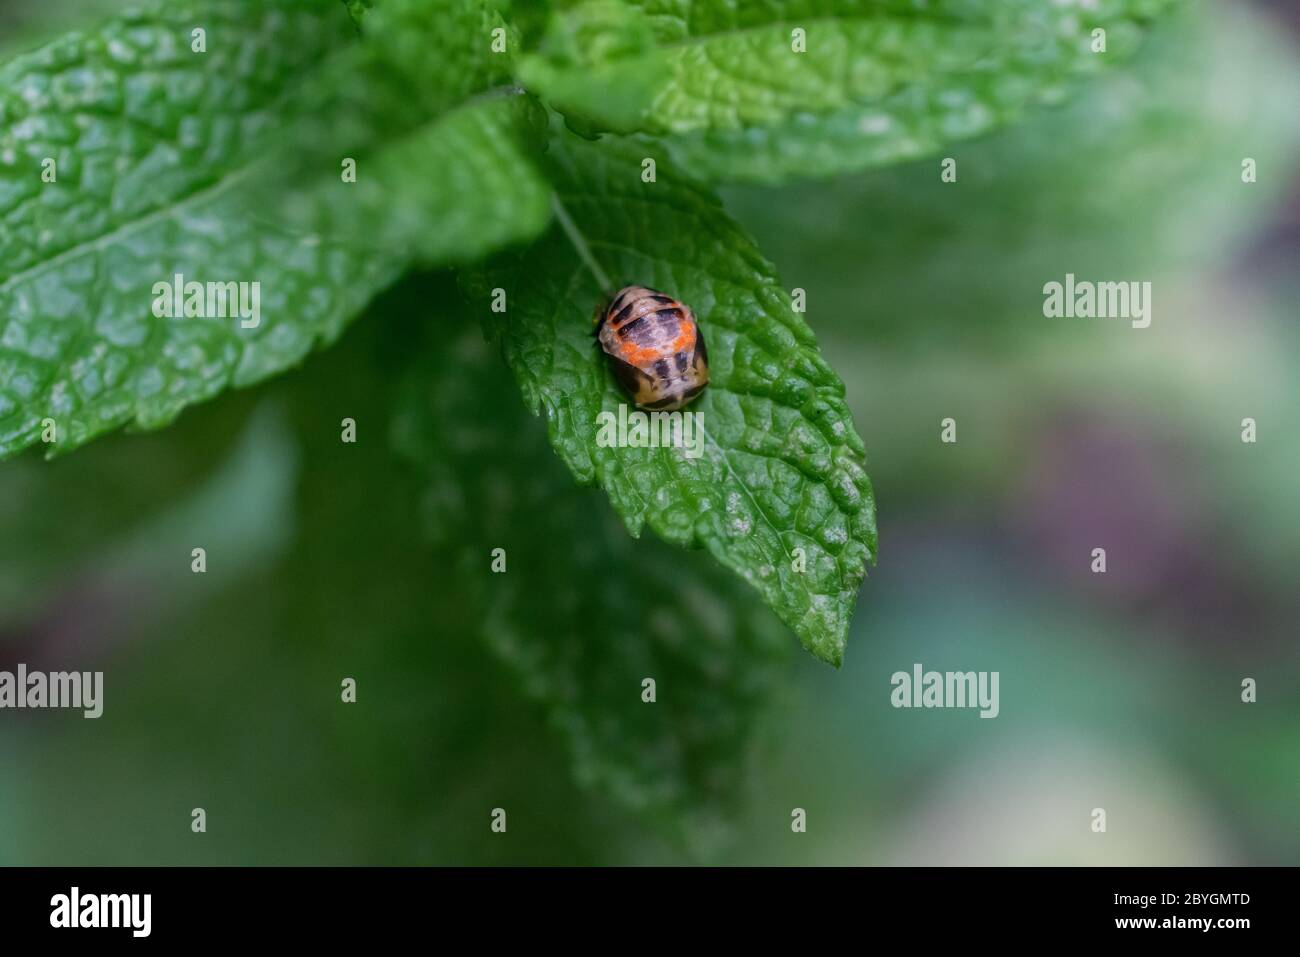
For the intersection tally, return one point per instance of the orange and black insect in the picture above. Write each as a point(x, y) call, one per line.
point(655, 347)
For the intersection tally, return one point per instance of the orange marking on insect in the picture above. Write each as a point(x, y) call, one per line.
point(636, 354)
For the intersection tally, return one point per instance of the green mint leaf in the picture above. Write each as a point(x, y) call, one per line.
point(728, 89)
point(168, 156)
point(778, 492)
point(149, 141)
point(134, 120)
point(583, 614)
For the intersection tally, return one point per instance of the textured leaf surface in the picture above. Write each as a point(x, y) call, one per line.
point(151, 141)
point(878, 81)
point(782, 468)
point(171, 162)
point(583, 614)
point(135, 120)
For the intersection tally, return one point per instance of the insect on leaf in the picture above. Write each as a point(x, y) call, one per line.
point(773, 483)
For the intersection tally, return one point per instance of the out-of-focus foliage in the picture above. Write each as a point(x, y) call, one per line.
point(583, 615)
point(487, 192)
point(1139, 175)
point(226, 693)
point(26, 25)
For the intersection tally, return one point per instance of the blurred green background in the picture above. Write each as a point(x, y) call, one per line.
point(370, 560)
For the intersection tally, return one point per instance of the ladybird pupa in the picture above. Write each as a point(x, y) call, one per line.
point(654, 346)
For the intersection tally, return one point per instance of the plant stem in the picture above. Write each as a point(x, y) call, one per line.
point(580, 244)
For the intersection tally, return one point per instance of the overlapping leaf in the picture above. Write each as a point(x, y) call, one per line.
point(766, 91)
